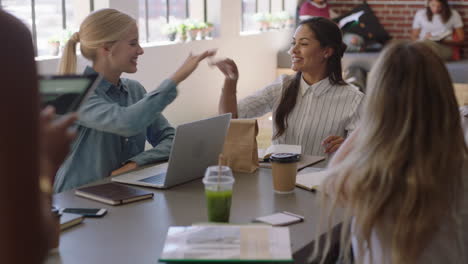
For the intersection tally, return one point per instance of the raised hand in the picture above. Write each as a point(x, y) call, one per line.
point(228, 67)
point(190, 64)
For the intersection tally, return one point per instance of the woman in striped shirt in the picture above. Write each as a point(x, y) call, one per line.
point(314, 108)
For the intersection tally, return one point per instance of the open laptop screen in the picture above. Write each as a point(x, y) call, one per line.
point(66, 92)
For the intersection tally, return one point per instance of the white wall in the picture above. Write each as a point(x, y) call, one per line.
point(255, 56)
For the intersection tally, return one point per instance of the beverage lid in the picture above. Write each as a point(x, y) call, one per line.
point(221, 180)
point(285, 157)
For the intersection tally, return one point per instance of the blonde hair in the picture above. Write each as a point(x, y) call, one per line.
point(104, 26)
point(403, 175)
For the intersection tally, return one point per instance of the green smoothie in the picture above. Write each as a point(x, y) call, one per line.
point(218, 204)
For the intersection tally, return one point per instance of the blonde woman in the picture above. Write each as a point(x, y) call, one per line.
point(400, 176)
point(117, 119)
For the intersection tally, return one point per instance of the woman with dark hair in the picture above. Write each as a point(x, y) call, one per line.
point(439, 26)
point(314, 108)
point(33, 146)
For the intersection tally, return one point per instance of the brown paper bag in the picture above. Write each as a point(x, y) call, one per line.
point(240, 151)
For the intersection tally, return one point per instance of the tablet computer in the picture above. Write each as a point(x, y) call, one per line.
point(66, 92)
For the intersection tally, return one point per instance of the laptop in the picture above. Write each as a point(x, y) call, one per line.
point(66, 92)
point(196, 146)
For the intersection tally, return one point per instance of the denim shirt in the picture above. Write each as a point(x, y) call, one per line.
point(112, 128)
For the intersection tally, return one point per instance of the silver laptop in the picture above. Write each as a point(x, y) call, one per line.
point(196, 146)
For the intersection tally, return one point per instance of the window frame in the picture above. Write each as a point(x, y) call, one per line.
point(33, 20)
point(168, 7)
point(283, 8)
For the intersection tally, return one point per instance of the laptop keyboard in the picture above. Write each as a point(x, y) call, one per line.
point(157, 179)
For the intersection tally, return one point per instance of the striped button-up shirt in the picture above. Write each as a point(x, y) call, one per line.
point(321, 110)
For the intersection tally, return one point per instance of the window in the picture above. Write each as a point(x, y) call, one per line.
point(262, 15)
point(178, 10)
point(249, 8)
point(51, 21)
point(160, 20)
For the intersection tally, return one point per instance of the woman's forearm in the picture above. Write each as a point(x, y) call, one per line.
point(228, 99)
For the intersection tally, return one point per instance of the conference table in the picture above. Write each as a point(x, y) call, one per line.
point(136, 232)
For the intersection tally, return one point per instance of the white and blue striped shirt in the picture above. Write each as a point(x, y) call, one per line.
point(321, 110)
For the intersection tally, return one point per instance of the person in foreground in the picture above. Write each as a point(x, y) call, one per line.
point(119, 116)
point(402, 175)
point(314, 108)
point(33, 147)
point(440, 26)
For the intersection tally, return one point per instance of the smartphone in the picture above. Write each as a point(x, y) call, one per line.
point(87, 212)
point(66, 93)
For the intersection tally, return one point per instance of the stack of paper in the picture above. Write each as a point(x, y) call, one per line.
point(220, 243)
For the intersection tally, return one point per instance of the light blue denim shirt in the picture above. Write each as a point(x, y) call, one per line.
point(112, 128)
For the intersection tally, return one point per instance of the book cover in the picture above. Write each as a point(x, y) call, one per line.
point(440, 35)
point(113, 193)
point(69, 220)
point(227, 243)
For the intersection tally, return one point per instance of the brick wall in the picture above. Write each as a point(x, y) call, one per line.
point(397, 15)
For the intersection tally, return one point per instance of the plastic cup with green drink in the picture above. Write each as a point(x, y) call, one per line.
point(218, 182)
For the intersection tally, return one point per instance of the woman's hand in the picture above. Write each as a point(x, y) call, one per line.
point(55, 139)
point(428, 35)
point(190, 65)
point(332, 143)
point(127, 167)
point(229, 68)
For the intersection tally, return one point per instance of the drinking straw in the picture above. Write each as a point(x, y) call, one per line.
point(220, 162)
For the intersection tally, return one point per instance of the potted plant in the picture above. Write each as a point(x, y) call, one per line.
point(283, 18)
point(170, 30)
point(263, 20)
point(205, 29)
point(275, 21)
point(193, 28)
point(182, 32)
point(208, 30)
point(54, 45)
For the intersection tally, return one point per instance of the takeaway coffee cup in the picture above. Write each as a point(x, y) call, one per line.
point(284, 169)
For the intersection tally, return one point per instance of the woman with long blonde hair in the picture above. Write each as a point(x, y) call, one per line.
point(119, 116)
point(401, 175)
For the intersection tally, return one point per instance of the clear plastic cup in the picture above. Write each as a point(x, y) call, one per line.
point(218, 182)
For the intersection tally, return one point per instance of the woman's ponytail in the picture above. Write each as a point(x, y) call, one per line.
point(68, 61)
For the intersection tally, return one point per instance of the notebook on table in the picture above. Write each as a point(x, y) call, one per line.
point(227, 243)
point(311, 179)
point(264, 154)
point(196, 146)
point(113, 193)
point(305, 161)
